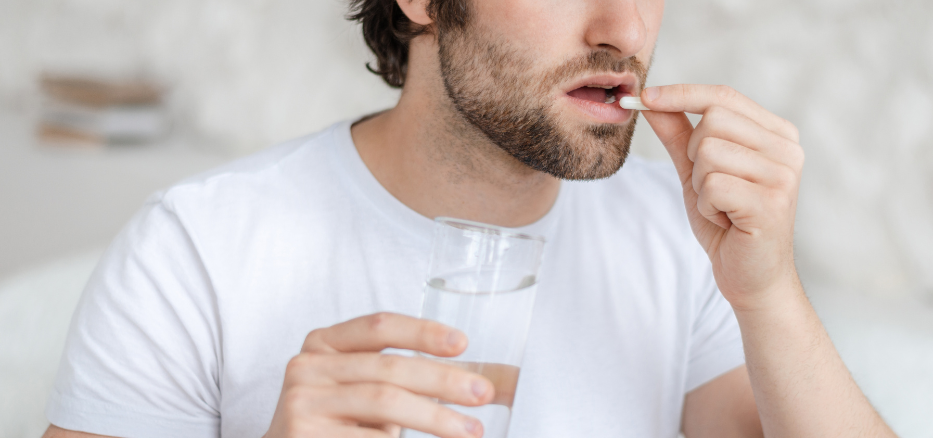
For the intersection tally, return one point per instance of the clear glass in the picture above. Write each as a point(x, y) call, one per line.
point(482, 280)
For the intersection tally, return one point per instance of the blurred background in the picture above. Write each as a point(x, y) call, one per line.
point(102, 102)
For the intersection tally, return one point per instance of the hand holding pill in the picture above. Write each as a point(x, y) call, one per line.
point(740, 170)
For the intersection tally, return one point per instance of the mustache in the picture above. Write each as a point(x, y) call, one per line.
point(596, 62)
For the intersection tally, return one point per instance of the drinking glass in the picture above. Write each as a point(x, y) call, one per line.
point(482, 280)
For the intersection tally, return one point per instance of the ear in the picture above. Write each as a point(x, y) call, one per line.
point(416, 11)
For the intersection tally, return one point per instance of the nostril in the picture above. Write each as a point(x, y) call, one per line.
point(609, 48)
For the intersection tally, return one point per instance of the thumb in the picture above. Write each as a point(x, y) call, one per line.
point(674, 130)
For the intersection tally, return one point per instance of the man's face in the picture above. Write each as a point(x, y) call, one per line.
point(542, 78)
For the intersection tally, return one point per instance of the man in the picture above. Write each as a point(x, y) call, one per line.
point(256, 300)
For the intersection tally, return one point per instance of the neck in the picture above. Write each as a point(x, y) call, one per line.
point(432, 160)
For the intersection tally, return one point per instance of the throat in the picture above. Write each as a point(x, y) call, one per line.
point(455, 173)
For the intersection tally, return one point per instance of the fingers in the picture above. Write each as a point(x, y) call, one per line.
point(378, 403)
point(722, 156)
point(335, 429)
point(341, 379)
point(504, 379)
point(674, 131)
point(723, 123)
point(387, 330)
point(698, 99)
point(416, 374)
point(707, 153)
point(728, 200)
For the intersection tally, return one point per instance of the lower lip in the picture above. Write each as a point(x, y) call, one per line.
point(602, 112)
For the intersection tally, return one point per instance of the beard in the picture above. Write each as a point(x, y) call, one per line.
point(492, 86)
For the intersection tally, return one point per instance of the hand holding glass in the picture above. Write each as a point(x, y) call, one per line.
point(482, 280)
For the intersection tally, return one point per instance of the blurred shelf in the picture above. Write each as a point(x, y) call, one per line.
point(56, 200)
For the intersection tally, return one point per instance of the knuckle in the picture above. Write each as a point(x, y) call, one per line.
point(294, 399)
point(314, 338)
point(378, 322)
point(725, 92)
point(707, 149)
point(714, 182)
point(298, 363)
point(385, 395)
point(780, 200)
point(390, 366)
point(786, 178)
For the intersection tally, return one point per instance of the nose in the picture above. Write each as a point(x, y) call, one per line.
point(617, 26)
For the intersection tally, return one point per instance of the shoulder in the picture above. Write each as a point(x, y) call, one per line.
point(309, 150)
point(256, 179)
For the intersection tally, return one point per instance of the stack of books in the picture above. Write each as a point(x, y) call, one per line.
point(80, 111)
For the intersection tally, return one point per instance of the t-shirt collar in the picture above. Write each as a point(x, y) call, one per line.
point(420, 226)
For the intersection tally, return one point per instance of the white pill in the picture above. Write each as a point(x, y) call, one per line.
point(632, 102)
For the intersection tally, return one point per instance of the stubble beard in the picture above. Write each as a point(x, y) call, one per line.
point(490, 86)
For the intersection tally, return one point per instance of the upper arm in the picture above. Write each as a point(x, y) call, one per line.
point(722, 408)
point(56, 432)
point(142, 355)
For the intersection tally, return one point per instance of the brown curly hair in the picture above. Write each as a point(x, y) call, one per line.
point(388, 31)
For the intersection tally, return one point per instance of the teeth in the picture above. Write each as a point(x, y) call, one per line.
point(605, 87)
point(610, 99)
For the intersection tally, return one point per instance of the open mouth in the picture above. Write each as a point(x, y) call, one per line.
point(599, 93)
point(597, 96)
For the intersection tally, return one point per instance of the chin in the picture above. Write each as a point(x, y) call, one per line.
point(593, 151)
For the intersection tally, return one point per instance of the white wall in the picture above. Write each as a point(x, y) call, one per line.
point(855, 75)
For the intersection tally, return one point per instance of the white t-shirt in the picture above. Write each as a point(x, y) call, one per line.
point(187, 323)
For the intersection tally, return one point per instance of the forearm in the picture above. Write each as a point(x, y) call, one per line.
point(740, 169)
point(802, 388)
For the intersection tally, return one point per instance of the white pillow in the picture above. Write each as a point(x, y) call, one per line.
point(35, 310)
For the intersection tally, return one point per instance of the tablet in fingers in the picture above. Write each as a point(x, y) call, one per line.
point(698, 98)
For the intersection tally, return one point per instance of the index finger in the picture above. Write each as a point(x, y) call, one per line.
point(698, 98)
point(387, 330)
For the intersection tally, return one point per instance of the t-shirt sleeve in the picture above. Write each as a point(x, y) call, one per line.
point(143, 354)
point(715, 342)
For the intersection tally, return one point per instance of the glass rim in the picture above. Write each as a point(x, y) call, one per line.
point(487, 228)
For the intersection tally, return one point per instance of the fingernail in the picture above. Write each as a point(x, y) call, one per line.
point(479, 388)
point(454, 338)
point(652, 93)
point(472, 426)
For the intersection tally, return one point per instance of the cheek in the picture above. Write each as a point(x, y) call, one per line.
point(652, 12)
point(542, 28)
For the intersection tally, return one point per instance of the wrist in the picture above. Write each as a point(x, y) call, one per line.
point(788, 292)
